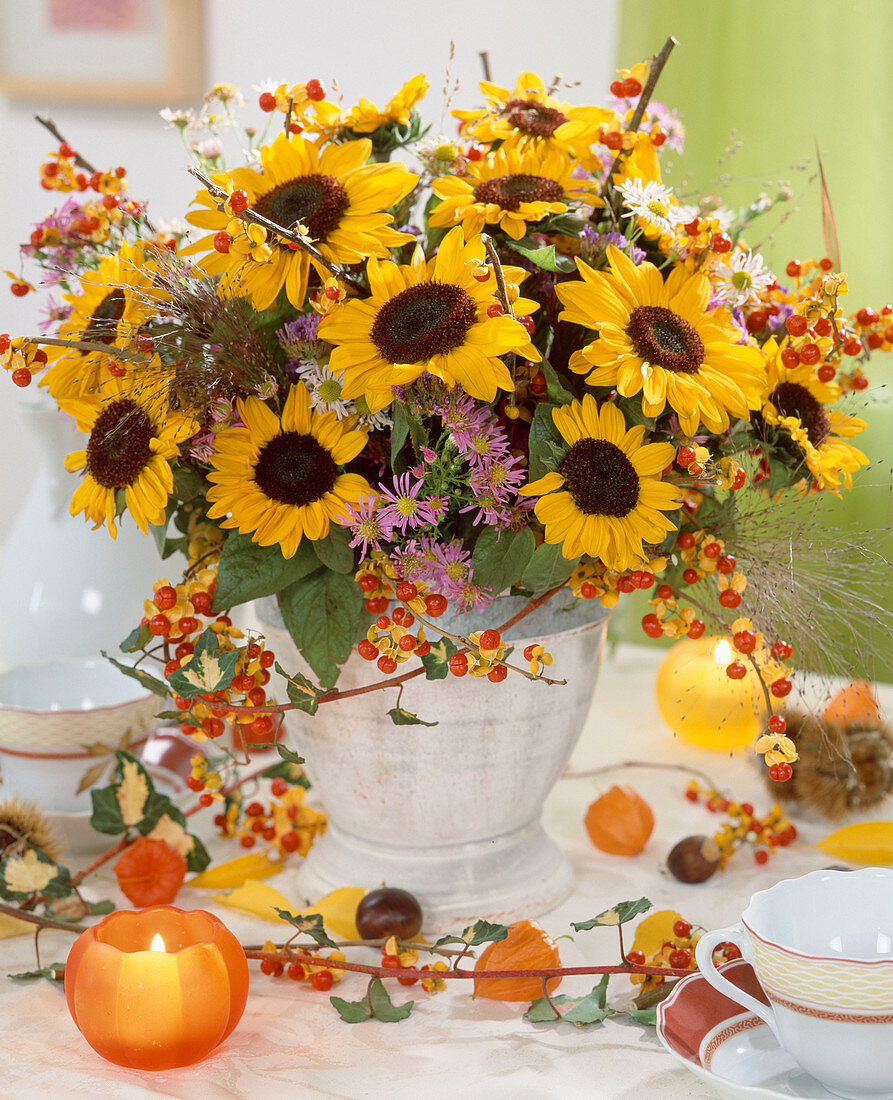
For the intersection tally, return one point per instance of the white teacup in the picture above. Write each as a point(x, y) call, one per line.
point(822, 949)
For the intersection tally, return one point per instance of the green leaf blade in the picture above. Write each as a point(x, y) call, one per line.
point(323, 613)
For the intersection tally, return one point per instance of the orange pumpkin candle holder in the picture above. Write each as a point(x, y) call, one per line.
point(158, 988)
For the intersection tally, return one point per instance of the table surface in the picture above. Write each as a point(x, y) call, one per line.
point(292, 1043)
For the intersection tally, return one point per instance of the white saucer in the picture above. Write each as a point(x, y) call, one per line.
point(731, 1051)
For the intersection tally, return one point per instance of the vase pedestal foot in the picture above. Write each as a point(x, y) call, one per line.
point(518, 875)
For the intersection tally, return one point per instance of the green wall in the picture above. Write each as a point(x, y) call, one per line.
point(780, 76)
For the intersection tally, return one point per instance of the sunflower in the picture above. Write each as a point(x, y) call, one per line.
point(365, 117)
point(510, 188)
point(659, 337)
point(132, 440)
point(606, 497)
point(797, 404)
point(433, 317)
point(116, 300)
point(277, 479)
point(338, 197)
point(529, 115)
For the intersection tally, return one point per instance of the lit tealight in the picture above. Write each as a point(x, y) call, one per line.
point(702, 704)
point(157, 943)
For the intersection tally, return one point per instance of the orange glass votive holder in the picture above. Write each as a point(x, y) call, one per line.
point(156, 989)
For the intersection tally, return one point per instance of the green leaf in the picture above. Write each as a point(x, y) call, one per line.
point(622, 912)
point(647, 1016)
point(544, 440)
point(248, 571)
point(301, 692)
point(555, 388)
point(400, 430)
point(484, 932)
point(547, 567)
point(106, 816)
point(436, 661)
point(30, 871)
point(569, 224)
point(541, 1012)
point(288, 756)
point(323, 613)
point(401, 717)
point(136, 640)
point(590, 1009)
point(55, 972)
point(500, 557)
point(288, 771)
point(208, 669)
point(547, 258)
point(383, 1008)
point(100, 908)
point(352, 1012)
point(150, 683)
point(334, 552)
point(310, 925)
point(198, 857)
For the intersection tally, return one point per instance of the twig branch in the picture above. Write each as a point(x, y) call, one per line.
point(589, 773)
point(41, 922)
point(48, 124)
point(249, 215)
point(89, 345)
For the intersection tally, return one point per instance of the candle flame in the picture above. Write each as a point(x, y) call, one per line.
point(157, 943)
point(723, 652)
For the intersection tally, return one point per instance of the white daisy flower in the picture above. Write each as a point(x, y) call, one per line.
point(324, 389)
point(652, 201)
point(739, 279)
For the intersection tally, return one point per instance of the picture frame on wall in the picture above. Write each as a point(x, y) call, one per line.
point(113, 52)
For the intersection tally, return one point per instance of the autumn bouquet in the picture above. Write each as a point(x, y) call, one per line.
point(385, 374)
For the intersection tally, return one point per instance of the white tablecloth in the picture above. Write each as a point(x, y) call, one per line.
point(292, 1043)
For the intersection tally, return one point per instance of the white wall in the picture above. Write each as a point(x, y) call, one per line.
point(369, 48)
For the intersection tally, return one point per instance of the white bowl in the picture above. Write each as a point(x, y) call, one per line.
point(59, 719)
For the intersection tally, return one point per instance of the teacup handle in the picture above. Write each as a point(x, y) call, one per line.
point(704, 955)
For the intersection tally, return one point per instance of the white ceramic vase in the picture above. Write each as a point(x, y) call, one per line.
point(68, 591)
point(449, 812)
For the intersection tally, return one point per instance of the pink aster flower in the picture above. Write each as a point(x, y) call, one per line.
point(404, 508)
point(367, 526)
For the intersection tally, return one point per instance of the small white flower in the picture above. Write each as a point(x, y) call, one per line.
point(739, 279)
point(209, 147)
point(652, 201)
point(178, 118)
point(324, 389)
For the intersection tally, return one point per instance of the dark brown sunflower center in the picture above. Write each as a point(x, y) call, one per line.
point(118, 448)
point(294, 469)
point(422, 321)
point(665, 339)
point(600, 478)
point(317, 201)
point(533, 118)
point(510, 191)
point(102, 328)
point(793, 400)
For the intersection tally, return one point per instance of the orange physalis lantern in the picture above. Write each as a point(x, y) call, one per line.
point(150, 872)
point(156, 989)
point(527, 947)
point(854, 705)
point(620, 822)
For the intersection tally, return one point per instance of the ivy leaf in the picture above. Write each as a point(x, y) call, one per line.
point(32, 871)
point(106, 817)
point(436, 661)
point(622, 912)
point(499, 558)
point(288, 756)
point(352, 1012)
point(310, 925)
point(150, 683)
point(248, 571)
point(646, 1016)
point(548, 567)
point(547, 258)
point(301, 692)
point(590, 1009)
point(208, 669)
point(401, 717)
point(55, 972)
point(323, 612)
point(335, 552)
point(484, 932)
point(383, 1008)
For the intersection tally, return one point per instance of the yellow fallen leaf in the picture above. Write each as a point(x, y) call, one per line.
point(257, 898)
point(865, 842)
point(226, 876)
point(339, 911)
point(12, 926)
point(654, 930)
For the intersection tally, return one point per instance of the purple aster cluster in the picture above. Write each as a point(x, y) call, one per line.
point(299, 340)
point(595, 245)
point(64, 241)
point(445, 567)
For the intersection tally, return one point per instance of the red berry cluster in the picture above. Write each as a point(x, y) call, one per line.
point(286, 822)
point(766, 834)
point(390, 641)
point(321, 978)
